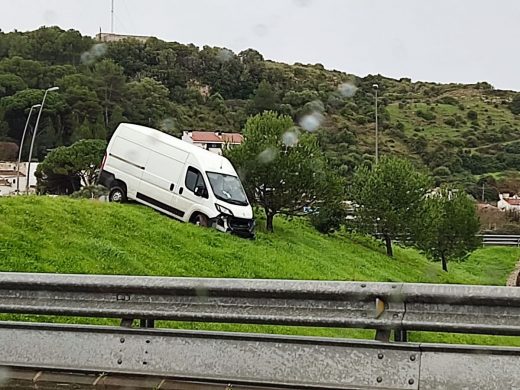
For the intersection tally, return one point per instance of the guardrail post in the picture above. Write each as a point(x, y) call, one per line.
point(147, 323)
point(401, 335)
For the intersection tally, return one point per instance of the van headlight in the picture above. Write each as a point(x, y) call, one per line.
point(223, 210)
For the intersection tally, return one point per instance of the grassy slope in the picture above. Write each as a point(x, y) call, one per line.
point(40, 234)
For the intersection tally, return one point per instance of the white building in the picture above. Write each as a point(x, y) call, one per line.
point(508, 202)
point(8, 177)
point(214, 141)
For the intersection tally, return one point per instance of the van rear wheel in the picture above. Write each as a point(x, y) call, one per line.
point(117, 195)
point(201, 220)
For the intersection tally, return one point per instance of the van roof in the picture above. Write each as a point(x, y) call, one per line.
point(208, 161)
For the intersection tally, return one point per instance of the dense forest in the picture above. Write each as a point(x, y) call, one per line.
point(469, 134)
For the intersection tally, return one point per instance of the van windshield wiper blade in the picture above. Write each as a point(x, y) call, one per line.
point(237, 202)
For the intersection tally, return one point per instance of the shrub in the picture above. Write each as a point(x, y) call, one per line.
point(442, 171)
point(514, 106)
point(451, 122)
point(90, 192)
point(472, 115)
point(448, 100)
point(329, 217)
point(426, 115)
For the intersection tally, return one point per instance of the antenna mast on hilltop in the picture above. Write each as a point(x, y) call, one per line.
point(112, 18)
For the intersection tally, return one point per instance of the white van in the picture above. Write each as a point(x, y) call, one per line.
point(176, 178)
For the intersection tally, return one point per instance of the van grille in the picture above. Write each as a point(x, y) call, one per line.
point(240, 223)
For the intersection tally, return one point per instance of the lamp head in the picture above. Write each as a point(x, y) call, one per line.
point(53, 89)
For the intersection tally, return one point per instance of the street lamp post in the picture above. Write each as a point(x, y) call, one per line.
point(21, 147)
point(376, 88)
point(34, 136)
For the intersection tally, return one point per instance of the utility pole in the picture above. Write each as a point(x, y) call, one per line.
point(112, 18)
point(483, 184)
point(376, 88)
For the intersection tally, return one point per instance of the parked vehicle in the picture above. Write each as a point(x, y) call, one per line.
point(177, 178)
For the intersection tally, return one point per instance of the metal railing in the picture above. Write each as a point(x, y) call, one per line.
point(260, 359)
point(501, 239)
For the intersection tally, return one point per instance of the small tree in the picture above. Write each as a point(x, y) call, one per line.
point(283, 171)
point(514, 106)
point(65, 169)
point(388, 198)
point(264, 99)
point(448, 226)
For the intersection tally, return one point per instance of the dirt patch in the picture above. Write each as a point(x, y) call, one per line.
point(514, 278)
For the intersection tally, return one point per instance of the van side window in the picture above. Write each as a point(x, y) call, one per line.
point(194, 179)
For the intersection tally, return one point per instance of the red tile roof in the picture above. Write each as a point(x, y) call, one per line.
point(233, 138)
point(210, 136)
point(513, 202)
point(205, 136)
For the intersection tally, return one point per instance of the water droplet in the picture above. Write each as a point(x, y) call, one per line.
point(347, 89)
point(4, 375)
point(97, 50)
point(260, 30)
point(224, 55)
point(302, 3)
point(267, 156)
point(311, 121)
point(290, 138)
point(167, 125)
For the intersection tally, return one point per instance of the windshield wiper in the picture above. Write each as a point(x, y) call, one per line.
point(237, 202)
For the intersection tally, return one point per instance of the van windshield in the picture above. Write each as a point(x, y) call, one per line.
point(227, 188)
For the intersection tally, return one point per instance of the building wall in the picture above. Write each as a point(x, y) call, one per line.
point(110, 37)
point(8, 180)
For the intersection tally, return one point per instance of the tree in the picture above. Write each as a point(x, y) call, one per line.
point(514, 106)
point(65, 169)
point(282, 170)
point(388, 198)
point(264, 99)
point(146, 102)
point(448, 226)
point(8, 151)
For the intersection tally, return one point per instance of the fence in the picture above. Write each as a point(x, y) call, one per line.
point(501, 239)
point(255, 359)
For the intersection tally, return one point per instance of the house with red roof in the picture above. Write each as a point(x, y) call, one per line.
point(508, 202)
point(214, 141)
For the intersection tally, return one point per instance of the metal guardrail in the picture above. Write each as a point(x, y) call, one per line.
point(261, 360)
point(501, 239)
point(380, 306)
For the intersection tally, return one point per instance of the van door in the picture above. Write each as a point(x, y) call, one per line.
point(193, 181)
point(159, 182)
point(126, 161)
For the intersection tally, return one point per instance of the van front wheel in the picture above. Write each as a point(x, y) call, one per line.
point(117, 195)
point(201, 220)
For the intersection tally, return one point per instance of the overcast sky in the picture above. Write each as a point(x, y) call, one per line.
point(436, 40)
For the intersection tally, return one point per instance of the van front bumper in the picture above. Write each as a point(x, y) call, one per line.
point(242, 227)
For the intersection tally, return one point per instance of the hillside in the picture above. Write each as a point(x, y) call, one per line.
point(462, 133)
point(43, 234)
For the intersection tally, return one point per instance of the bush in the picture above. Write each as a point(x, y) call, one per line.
point(426, 115)
point(514, 106)
point(90, 192)
point(451, 122)
point(448, 100)
point(329, 217)
point(472, 115)
point(441, 171)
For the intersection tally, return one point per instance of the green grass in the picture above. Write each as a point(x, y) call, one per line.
point(43, 234)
